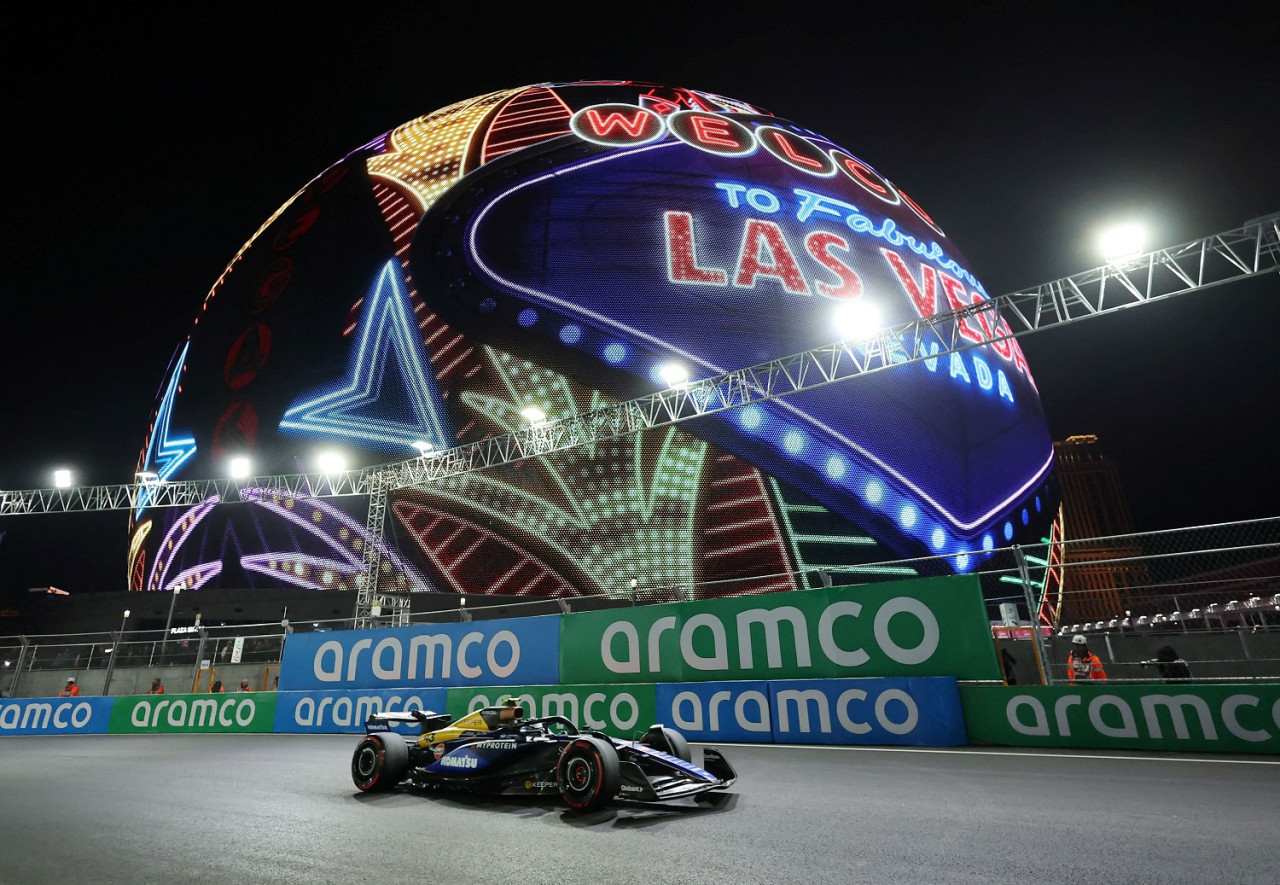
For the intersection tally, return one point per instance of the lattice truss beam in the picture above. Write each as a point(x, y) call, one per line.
point(1250, 250)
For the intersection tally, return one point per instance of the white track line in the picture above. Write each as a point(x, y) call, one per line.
point(979, 751)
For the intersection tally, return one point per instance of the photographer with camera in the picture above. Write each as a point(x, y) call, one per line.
point(1172, 668)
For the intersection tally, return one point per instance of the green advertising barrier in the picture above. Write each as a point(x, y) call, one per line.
point(925, 627)
point(1183, 718)
point(616, 709)
point(193, 713)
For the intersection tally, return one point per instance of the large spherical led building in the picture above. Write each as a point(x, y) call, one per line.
point(557, 246)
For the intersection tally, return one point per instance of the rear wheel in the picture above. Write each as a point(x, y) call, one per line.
point(588, 773)
point(668, 740)
point(380, 762)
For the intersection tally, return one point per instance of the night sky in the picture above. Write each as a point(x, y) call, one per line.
point(144, 149)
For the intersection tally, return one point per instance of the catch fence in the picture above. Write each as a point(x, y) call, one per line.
point(1210, 592)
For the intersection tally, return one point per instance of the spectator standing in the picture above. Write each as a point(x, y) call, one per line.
point(71, 690)
point(216, 688)
point(244, 685)
point(156, 686)
point(1083, 664)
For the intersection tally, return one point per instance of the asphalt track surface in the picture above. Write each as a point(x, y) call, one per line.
point(281, 808)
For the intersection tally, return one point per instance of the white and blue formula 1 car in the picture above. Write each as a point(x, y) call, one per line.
point(497, 750)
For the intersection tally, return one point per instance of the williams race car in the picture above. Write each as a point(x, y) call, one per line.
point(497, 750)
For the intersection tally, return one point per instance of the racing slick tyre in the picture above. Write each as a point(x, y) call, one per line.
point(668, 740)
point(588, 773)
point(380, 762)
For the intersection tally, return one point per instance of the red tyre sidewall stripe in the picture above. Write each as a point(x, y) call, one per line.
point(381, 766)
point(599, 766)
point(599, 769)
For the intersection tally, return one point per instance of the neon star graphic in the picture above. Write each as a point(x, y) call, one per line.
point(388, 397)
point(166, 452)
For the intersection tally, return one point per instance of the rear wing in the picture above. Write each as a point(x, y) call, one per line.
point(428, 720)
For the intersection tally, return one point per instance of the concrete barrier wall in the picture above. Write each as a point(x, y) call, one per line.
point(876, 711)
point(892, 710)
point(927, 711)
point(1184, 717)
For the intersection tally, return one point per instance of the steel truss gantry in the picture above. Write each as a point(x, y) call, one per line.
point(1251, 250)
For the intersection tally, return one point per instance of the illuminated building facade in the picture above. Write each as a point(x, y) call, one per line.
point(1103, 575)
point(560, 246)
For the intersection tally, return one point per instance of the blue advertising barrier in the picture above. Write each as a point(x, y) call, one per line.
point(524, 651)
point(894, 710)
point(55, 716)
point(345, 711)
point(904, 711)
point(717, 711)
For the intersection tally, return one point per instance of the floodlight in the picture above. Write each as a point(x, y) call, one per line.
point(331, 462)
point(239, 468)
point(147, 477)
point(1122, 241)
point(62, 479)
point(423, 447)
point(533, 415)
point(855, 319)
point(673, 374)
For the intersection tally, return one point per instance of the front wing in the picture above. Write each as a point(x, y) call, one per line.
point(650, 775)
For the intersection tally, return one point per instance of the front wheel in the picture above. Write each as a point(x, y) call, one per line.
point(668, 740)
point(380, 762)
point(588, 773)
